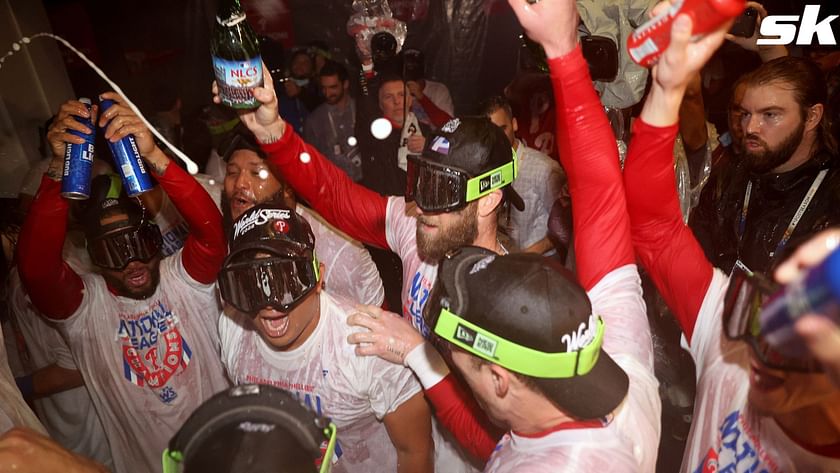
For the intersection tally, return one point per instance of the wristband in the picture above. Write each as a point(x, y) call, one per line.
point(26, 386)
point(427, 364)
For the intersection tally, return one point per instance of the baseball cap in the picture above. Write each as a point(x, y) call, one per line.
point(253, 428)
point(528, 314)
point(477, 147)
point(272, 260)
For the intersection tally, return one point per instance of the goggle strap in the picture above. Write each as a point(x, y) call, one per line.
point(515, 357)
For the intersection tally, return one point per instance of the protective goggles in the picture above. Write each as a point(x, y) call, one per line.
point(173, 459)
point(438, 187)
point(281, 283)
point(115, 251)
point(747, 293)
point(515, 357)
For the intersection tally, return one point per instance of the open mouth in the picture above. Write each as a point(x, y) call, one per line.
point(240, 203)
point(762, 379)
point(137, 278)
point(275, 327)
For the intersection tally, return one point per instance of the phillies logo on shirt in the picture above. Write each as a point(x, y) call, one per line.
point(153, 349)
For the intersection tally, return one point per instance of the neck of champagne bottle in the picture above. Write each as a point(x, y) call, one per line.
point(230, 13)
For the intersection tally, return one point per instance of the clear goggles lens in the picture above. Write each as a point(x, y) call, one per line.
point(259, 283)
point(435, 188)
point(748, 292)
point(116, 251)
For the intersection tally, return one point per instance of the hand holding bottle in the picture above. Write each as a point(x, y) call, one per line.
point(264, 121)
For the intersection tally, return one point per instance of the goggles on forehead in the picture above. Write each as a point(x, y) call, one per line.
point(281, 283)
point(438, 187)
point(115, 251)
point(515, 357)
point(748, 292)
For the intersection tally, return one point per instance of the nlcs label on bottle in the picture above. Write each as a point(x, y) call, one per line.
point(236, 79)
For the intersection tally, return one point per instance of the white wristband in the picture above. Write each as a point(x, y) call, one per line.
point(427, 364)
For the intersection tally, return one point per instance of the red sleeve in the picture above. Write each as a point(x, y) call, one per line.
point(589, 155)
point(456, 409)
point(54, 288)
point(663, 243)
point(206, 247)
point(437, 116)
point(354, 209)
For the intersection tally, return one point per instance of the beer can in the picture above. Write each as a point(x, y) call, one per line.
point(817, 291)
point(135, 177)
point(78, 161)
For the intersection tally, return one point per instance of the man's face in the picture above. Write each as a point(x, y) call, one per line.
point(333, 89)
point(480, 380)
point(393, 101)
point(772, 124)
point(501, 119)
point(301, 66)
point(248, 182)
point(137, 280)
point(438, 233)
point(288, 330)
point(774, 392)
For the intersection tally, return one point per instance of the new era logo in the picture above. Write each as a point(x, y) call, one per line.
point(480, 343)
point(464, 334)
point(490, 182)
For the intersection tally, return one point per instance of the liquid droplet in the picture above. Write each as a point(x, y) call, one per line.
point(381, 128)
point(16, 46)
point(305, 158)
point(263, 174)
point(352, 141)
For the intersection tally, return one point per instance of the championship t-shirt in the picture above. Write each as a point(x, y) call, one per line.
point(148, 364)
point(326, 375)
point(727, 435)
point(627, 441)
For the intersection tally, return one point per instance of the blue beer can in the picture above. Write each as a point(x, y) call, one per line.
point(78, 161)
point(817, 291)
point(135, 177)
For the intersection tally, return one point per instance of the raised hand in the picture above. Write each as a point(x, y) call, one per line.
point(65, 120)
point(552, 23)
point(388, 335)
point(120, 121)
point(264, 121)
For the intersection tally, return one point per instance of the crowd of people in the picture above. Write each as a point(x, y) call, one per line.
point(444, 296)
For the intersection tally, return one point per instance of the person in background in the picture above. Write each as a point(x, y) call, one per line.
point(540, 182)
point(330, 127)
point(424, 90)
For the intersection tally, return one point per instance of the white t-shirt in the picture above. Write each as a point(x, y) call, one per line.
point(727, 435)
point(629, 442)
point(327, 376)
point(438, 93)
point(13, 409)
point(69, 416)
point(349, 270)
point(147, 364)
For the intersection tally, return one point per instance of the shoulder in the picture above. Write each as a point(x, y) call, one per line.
point(537, 158)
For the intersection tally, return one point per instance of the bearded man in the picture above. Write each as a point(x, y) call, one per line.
point(781, 186)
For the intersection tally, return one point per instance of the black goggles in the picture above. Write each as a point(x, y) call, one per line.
point(115, 251)
point(281, 283)
point(748, 292)
point(439, 187)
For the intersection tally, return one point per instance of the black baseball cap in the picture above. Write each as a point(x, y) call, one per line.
point(271, 227)
point(474, 145)
point(253, 428)
point(535, 303)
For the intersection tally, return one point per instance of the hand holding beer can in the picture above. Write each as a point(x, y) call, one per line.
point(129, 163)
point(78, 161)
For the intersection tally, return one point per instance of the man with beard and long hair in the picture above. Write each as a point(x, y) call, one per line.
point(458, 185)
point(249, 181)
point(782, 182)
point(143, 329)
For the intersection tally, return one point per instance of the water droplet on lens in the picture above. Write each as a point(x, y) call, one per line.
point(381, 128)
point(305, 158)
point(352, 141)
point(263, 174)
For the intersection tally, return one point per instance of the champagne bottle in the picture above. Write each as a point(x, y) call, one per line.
point(236, 57)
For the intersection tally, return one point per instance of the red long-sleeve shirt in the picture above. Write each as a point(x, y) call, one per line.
point(56, 290)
